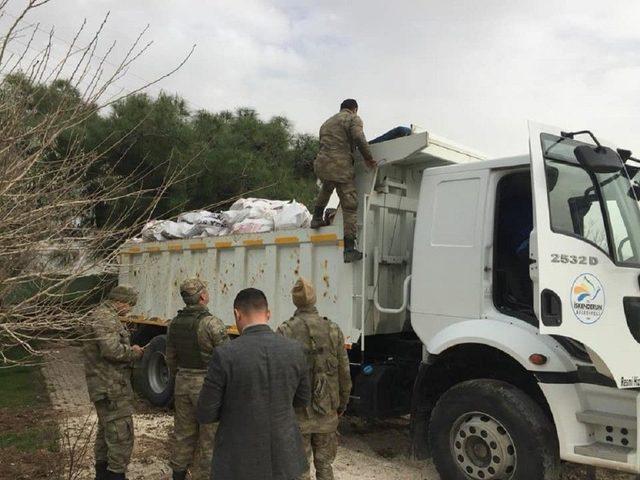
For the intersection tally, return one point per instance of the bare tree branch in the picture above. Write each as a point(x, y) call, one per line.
point(48, 235)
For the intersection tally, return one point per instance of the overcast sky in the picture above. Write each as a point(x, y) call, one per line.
point(472, 71)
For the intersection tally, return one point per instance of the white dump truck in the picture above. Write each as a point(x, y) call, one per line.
point(498, 302)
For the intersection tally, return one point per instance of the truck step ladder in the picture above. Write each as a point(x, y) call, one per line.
point(604, 451)
point(614, 436)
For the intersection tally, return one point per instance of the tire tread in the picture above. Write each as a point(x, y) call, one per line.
point(505, 398)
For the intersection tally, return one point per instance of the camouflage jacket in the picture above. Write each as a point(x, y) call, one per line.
point(211, 333)
point(108, 355)
point(331, 378)
point(339, 137)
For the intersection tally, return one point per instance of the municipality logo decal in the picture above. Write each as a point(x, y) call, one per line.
point(587, 298)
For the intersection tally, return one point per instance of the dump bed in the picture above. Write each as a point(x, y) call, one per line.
point(269, 261)
point(361, 297)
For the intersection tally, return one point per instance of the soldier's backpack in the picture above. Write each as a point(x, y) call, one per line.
point(323, 366)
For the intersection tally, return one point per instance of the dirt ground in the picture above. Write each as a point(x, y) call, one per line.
point(368, 450)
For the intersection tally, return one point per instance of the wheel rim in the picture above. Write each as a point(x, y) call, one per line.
point(158, 373)
point(482, 448)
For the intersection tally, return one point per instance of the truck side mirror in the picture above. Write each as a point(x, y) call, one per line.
point(598, 159)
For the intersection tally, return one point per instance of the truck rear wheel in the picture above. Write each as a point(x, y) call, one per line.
point(489, 430)
point(151, 376)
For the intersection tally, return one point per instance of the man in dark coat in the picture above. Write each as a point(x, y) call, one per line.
point(251, 388)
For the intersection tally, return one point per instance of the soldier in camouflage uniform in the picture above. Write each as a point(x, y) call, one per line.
point(334, 166)
point(109, 359)
point(191, 338)
point(323, 342)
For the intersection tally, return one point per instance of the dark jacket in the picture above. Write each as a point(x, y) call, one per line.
point(251, 387)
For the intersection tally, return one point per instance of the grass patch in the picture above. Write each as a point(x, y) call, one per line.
point(31, 439)
point(25, 421)
point(22, 387)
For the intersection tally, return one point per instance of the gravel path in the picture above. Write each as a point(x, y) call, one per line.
point(368, 450)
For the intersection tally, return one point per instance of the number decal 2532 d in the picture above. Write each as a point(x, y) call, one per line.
point(574, 259)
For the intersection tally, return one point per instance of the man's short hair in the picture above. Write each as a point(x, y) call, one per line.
point(251, 300)
point(349, 103)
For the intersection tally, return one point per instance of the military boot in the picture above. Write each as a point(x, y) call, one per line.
point(101, 471)
point(115, 476)
point(318, 218)
point(179, 475)
point(350, 252)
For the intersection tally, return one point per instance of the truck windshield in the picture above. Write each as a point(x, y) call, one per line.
point(599, 208)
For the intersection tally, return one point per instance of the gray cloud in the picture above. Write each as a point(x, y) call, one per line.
point(471, 71)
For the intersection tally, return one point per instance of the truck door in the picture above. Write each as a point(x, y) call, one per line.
point(585, 249)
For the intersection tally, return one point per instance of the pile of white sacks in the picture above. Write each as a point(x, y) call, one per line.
point(247, 215)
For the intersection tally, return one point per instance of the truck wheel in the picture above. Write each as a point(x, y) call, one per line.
point(489, 430)
point(151, 377)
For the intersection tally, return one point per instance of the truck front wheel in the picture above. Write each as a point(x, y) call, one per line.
point(151, 377)
point(489, 430)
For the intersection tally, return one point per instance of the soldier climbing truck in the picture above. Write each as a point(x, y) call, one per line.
point(498, 301)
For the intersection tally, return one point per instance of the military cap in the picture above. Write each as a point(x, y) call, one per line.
point(124, 293)
point(191, 287)
point(303, 293)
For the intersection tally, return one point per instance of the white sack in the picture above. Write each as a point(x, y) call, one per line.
point(152, 231)
point(253, 225)
point(292, 215)
point(202, 230)
point(257, 205)
point(201, 217)
point(174, 230)
point(231, 217)
point(159, 230)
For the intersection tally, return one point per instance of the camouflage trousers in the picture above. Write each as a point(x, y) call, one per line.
point(192, 443)
point(114, 436)
point(348, 196)
point(324, 447)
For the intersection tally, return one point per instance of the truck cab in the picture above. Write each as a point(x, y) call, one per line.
point(524, 280)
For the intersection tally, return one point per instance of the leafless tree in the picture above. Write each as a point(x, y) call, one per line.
point(47, 239)
point(75, 445)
